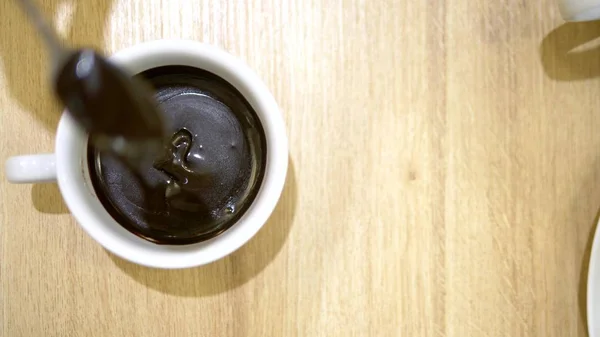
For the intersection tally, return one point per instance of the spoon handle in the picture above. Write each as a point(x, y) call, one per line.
point(53, 42)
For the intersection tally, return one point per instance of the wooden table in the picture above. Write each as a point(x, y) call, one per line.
point(444, 175)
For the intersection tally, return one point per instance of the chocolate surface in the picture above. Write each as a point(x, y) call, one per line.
point(209, 172)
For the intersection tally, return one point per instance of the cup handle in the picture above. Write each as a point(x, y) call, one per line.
point(35, 168)
point(579, 10)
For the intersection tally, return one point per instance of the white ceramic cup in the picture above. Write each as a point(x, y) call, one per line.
point(69, 167)
point(579, 10)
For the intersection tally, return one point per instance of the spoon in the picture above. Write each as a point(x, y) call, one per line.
point(117, 111)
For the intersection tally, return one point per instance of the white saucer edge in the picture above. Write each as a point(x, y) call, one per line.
point(593, 282)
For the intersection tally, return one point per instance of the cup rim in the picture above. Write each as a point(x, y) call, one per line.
point(73, 176)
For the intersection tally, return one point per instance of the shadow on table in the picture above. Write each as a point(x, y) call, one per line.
point(47, 199)
point(561, 60)
point(26, 62)
point(229, 272)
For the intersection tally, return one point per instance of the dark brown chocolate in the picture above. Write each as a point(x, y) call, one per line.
point(209, 172)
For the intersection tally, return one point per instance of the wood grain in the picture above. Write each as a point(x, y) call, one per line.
point(445, 165)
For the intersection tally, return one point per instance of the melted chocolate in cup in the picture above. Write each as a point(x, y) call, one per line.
point(209, 172)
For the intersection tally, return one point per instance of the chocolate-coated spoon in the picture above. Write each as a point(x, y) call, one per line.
point(117, 111)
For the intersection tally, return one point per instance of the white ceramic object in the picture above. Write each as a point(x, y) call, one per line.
point(69, 167)
point(579, 10)
point(593, 287)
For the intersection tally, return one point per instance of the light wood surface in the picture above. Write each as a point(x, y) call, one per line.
point(444, 175)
